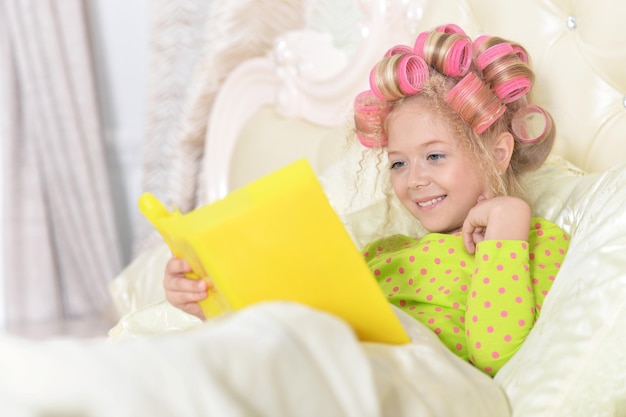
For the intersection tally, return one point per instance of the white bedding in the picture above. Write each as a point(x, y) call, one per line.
point(275, 359)
point(573, 363)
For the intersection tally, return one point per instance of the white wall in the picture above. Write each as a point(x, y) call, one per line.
point(119, 30)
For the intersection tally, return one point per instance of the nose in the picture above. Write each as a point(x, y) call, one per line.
point(417, 177)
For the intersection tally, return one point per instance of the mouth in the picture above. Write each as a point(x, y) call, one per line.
point(430, 203)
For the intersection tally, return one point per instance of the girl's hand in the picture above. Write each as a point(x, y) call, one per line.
point(502, 218)
point(182, 292)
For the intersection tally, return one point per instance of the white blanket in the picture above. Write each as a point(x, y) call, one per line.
point(275, 359)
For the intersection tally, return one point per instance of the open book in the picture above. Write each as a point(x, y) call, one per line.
point(278, 238)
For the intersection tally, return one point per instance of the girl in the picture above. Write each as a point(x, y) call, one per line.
point(454, 120)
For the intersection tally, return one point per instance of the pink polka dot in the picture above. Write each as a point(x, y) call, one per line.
point(441, 240)
point(402, 303)
point(487, 304)
point(456, 329)
point(418, 290)
point(411, 258)
point(440, 288)
point(485, 257)
point(459, 346)
point(463, 287)
point(423, 271)
point(500, 267)
point(388, 279)
point(462, 319)
point(437, 261)
point(507, 338)
point(462, 263)
point(531, 256)
point(504, 313)
point(455, 305)
point(377, 272)
point(433, 279)
point(448, 271)
point(438, 309)
point(541, 266)
point(412, 308)
point(524, 245)
point(446, 292)
point(425, 248)
point(395, 289)
point(544, 292)
point(475, 319)
point(495, 355)
point(535, 281)
point(515, 277)
point(379, 249)
point(429, 297)
point(552, 238)
point(513, 255)
point(486, 280)
point(410, 281)
point(551, 277)
point(501, 290)
point(490, 329)
point(401, 270)
point(388, 260)
point(537, 225)
point(431, 321)
point(437, 330)
point(451, 251)
point(366, 254)
point(561, 251)
point(498, 245)
point(548, 253)
point(557, 264)
point(518, 300)
point(473, 294)
point(478, 345)
point(488, 369)
point(521, 323)
point(539, 232)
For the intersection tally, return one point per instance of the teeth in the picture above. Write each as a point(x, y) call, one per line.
point(430, 202)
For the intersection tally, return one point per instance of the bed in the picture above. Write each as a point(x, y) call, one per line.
point(279, 358)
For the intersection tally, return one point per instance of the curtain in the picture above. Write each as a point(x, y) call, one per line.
point(60, 239)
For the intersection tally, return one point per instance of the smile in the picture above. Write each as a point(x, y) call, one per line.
point(429, 203)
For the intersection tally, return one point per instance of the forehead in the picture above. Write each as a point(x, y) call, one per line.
point(418, 121)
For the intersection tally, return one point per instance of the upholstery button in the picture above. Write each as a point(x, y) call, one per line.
point(571, 22)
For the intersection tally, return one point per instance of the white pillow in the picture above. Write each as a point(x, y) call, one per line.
point(573, 362)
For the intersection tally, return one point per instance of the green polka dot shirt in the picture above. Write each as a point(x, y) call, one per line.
point(481, 306)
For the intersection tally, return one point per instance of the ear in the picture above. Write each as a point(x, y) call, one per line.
point(503, 150)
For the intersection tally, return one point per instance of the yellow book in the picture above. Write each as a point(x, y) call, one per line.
point(278, 238)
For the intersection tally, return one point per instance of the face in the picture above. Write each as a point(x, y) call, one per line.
point(434, 177)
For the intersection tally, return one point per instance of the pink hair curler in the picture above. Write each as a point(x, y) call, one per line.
point(412, 72)
point(420, 41)
point(369, 114)
point(475, 103)
point(513, 89)
point(530, 123)
point(451, 28)
point(492, 53)
point(398, 49)
point(459, 58)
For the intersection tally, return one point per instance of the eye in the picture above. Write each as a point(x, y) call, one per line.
point(435, 157)
point(396, 165)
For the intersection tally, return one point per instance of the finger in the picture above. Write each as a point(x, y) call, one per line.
point(183, 284)
point(183, 298)
point(467, 232)
point(177, 266)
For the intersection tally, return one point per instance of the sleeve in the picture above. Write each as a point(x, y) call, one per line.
point(500, 303)
point(509, 284)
